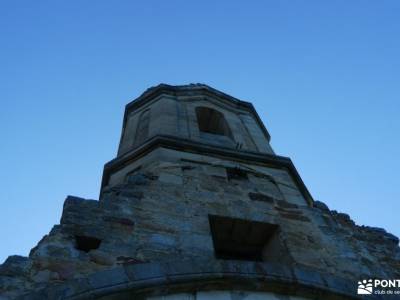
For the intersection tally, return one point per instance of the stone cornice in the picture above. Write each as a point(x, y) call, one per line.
point(180, 144)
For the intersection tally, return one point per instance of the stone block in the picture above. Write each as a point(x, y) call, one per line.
point(101, 257)
point(215, 171)
point(308, 276)
point(145, 271)
point(162, 240)
point(261, 197)
point(107, 278)
point(170, 178)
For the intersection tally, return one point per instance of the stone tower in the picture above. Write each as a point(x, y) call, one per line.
point(197, 205)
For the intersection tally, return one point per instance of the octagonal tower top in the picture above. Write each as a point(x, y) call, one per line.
point(194, 112)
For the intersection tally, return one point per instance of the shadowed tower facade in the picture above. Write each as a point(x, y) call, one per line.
point(197, 205)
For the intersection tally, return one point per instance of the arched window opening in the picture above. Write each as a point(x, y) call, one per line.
point(142, 130)
point(212, 121)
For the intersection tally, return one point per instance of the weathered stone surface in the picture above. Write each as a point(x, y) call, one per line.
point(261, 197)
point(101, 258)
point(321, 205)
point(151, 226)
point(170, 178)
point(161, 226)
point(15, 265)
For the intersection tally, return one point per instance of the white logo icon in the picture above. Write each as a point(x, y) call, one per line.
point(365, 287)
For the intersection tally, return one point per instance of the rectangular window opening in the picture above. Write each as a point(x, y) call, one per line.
point(239, 239)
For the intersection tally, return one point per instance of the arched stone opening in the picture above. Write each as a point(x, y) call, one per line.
point(212, 121)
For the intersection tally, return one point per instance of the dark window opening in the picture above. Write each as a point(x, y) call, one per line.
point(86, 243)
point(212, 121)
point(240, 239)
point(236, 173)
point(142, 130)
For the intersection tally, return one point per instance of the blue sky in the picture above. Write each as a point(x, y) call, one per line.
point(323, 75)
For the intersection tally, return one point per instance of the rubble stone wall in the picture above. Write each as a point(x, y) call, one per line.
point(160, 213)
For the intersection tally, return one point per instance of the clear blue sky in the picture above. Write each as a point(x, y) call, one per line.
point(323, 75)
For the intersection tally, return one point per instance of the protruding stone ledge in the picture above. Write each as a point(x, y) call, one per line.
point(194, 275)
point(182, 144)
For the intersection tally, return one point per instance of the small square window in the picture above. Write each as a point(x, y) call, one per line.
point(240, 239)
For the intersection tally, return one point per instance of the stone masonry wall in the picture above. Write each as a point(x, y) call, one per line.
point(176, 116)
point(161, 212)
